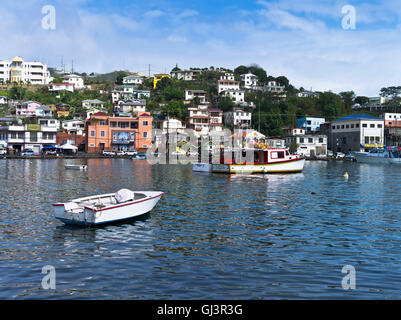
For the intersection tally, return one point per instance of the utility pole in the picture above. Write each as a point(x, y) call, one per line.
point(149, 70)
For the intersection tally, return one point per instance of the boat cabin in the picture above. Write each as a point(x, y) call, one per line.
point(272, 155)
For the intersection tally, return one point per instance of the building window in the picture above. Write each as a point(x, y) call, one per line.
point(93, 133)
point(301, 140)
point(320, 140)
point(357, 125)
point(310, 140)
point(352, 125)
point(145, 123)
point(366, 140)
point(342, 126)
point(102, 122)
point(372, 125)
point(145, 134)
point(334, 127)
point(364, 125)
point(102, 134)
point(347, 126)
point(379, 126)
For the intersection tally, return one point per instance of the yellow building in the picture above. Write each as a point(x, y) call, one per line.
point(16, 70)
point(158, 77)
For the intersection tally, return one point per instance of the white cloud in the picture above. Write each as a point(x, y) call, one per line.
point(177, 38)
point(154, 13)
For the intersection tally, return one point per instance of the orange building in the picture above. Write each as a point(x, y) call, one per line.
point(118, 133)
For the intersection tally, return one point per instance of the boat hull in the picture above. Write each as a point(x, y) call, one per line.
point(293, 166)
point(76, 167)
point(366, 158)
point(91, 216)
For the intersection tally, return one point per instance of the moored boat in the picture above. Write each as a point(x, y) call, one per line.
point(76, 166)
point(270, 160)
point(106, 208)
point(384, 155)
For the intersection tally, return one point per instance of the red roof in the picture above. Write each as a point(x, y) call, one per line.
point(99, 114)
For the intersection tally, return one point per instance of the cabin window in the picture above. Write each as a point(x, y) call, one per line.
point(277, 155)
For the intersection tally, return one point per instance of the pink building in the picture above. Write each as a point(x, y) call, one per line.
point(27, 108)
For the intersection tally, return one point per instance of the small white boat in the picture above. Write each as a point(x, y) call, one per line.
point(76, 166)
point(106, 208)
point(379, 156)
point(202, 167)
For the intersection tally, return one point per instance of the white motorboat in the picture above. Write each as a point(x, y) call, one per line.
point(76, 166)
point(106, 208)
point(202, 167)
point(379, 156)
point(270, 160)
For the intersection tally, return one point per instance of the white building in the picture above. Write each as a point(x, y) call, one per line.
point(237, 96)
point(188, 75)
point(309, 145)
point(92, 104)
point(54, 87)
point(3, 100)
point(357, 132)
point(18, 70)
point(274, 87)
point(307, 94)
point(294, 131)
point(227, 76)
point(133, 79)
point(238, 118)
point(191, 94)
point(249, 80)
point(32, 136)
point(224, 85)
point(76, 80)
point(74, 127)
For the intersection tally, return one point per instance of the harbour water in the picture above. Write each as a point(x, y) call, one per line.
point(210, 237)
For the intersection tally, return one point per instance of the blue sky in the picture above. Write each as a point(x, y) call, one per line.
point(303, 40)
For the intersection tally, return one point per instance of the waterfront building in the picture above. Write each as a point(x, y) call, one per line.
point(392, 128)
point(19, 71)
point(357, 132)
point(310, 145)
point(118, 133)
point(32, 136)
point(78, 140)
point(310, 124)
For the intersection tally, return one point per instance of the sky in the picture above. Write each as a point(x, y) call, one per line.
point(310, 42)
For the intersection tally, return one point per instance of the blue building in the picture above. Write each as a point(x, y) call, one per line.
point(310, 124)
